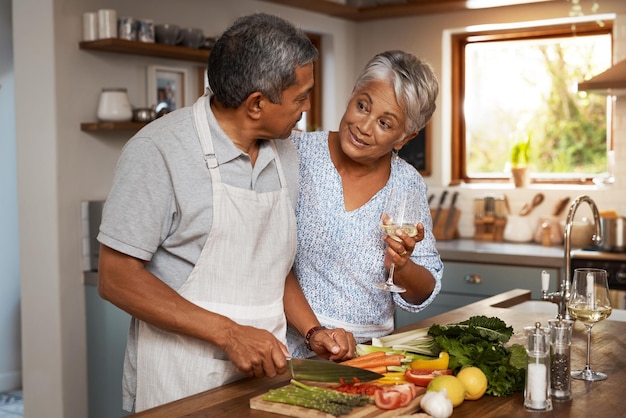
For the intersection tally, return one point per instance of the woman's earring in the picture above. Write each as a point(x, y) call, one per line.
point(397, 154)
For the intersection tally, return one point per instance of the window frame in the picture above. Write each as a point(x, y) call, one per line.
point(458, 43)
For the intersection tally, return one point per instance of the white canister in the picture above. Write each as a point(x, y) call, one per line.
point(107, 23)
point(114, 106)
point(90, 26)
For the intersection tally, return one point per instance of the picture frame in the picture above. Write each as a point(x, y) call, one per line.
point(168, 88)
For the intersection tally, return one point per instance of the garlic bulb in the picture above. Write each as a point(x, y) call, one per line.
point(437, 404)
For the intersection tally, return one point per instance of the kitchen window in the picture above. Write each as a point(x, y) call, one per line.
point(517, 84)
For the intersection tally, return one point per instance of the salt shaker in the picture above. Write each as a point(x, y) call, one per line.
point(537, 390)
point(560, 358)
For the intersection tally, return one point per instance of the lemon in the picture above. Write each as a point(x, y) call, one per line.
point(453, 386)
point(475, 382)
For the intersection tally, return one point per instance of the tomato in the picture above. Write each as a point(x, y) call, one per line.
point(387, 399)
point(423, 377)
point(407, 392)
point(439, 363)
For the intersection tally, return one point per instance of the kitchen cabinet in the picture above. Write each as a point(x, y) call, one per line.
point(123, 46)
point(464, 283)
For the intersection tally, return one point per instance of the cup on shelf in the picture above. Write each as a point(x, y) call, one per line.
point(107, 23)
point(114, 105)
point(145, 30)
point(90, 26)
point(127, 28)
point(192, 37)
point(168, 34)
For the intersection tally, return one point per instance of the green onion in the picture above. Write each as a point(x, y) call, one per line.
point(415, 341)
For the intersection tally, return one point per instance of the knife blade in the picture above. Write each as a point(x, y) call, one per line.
point(451, 213)
point(327, 371)
point(439, 207)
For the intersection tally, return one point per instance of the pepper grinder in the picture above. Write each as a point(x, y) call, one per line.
point(537, 390)
point(560, 358)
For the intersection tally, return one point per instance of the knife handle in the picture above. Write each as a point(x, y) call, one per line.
point(454, 196)
point(443, 197)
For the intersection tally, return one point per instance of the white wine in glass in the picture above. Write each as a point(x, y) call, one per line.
point(589, 303)
point(401, 213)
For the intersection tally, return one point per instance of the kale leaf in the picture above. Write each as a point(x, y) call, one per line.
point(479, 341)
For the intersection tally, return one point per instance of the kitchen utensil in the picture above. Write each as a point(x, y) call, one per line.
point(144, 114)
point(560, 206)
point(327, 371)
point(529, 207)
point(451, 213)
point(439, 207)
point(507, 205)
point(430, 198)
point(613, 233)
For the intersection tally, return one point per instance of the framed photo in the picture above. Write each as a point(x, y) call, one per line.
point(168, 88)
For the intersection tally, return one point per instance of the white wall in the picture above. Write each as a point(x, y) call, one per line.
point(57, 87)
point(10, 359)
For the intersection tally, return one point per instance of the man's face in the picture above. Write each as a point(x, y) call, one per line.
point(281, 119)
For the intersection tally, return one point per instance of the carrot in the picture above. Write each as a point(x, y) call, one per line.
point(364, 358)
point(377, 369)
point(384, 361)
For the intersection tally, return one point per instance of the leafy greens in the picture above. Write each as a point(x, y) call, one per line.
point(479, 341)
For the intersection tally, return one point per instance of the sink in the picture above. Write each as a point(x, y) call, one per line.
point(549, 307)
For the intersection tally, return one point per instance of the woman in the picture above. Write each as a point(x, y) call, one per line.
point(345, 179)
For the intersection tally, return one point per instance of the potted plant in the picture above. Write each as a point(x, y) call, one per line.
point(520, 158)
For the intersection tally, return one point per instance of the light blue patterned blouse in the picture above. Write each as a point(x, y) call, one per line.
point(340, 254)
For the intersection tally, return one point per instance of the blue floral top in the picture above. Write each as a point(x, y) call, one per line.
point(340, 254)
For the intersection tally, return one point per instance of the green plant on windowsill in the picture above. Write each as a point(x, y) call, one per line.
point(520, 159)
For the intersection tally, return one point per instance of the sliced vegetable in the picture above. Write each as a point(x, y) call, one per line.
point(392, 378)
point(365, 358)
point(375, 361)
point(387, 399)
point(423, 377)
point(439, 363)
point(417, 341)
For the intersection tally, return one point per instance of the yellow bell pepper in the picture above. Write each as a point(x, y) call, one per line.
point(434, 364)
point(392, 378)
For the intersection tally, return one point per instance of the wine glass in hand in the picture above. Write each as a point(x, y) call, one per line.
point(400, 214)
point(589, 303)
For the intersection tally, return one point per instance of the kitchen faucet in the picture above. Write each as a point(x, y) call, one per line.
point(562, 294)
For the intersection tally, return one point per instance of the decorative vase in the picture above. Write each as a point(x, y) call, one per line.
point(520, 176)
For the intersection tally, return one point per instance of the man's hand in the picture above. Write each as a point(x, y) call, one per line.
point(255, 352)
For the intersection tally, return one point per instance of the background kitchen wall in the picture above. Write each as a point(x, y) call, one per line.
point(58, 166)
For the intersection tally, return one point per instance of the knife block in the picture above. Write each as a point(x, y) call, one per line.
point(489, 228)
point(446, 227)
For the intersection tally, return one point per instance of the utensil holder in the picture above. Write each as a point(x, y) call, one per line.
point(446, 229)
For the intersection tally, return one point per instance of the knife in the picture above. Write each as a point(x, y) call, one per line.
point(327, 371)
point(441, 200)
point(451, 213)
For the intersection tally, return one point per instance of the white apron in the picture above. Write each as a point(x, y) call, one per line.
point(240, 274)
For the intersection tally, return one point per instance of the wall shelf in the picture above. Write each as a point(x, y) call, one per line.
point(111, 126)
point(122, 46)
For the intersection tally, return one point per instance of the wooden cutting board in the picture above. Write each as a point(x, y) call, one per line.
point(368, 411)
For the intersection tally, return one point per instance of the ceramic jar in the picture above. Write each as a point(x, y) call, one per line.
point(114, 106)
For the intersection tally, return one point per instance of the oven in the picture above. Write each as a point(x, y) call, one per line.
point(615, 265)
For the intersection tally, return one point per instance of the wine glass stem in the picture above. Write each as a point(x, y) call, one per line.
point(588, 364)
point(390, 278)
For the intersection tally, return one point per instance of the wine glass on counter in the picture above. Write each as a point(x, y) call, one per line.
point(401, 212)
point(589, 303)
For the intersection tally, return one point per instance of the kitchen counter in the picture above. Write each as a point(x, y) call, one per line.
point(488, 252)
point(605, 398)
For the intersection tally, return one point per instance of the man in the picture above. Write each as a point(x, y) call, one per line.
point(198, 232)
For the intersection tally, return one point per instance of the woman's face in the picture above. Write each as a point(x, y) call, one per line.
point(373, 123)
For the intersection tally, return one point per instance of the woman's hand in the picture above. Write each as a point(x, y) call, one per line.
point(334, 344)
point(399, 252)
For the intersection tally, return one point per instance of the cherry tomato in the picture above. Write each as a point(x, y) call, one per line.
point(423, 377)
point(387, 399)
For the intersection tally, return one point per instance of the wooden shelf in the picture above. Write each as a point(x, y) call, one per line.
point(122, 46)
point(111, 126)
